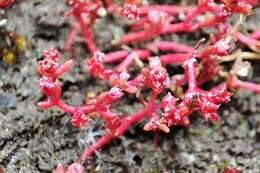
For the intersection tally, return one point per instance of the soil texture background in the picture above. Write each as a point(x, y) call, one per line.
point(34, 140)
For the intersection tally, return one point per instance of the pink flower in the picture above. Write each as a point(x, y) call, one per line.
point(48, 86)
point(79, 119)
point(155, 76)
point(48, 67)
point(130, 11)
point(95, 64)
point(73, 168)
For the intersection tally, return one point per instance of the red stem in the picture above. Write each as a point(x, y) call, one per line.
point(147, 34)
point(246, 39)
point(136, 36)
point(71, 109)
point(71, 36)
point(245, 85)
point(177, 27)
point(65, 107)
point(106, 138)
point(115, 56)
point(191, 73)
point(170, 9)
point(87, 35)
point(125, 123)
point(255, 34)
point(107, 115)
point(123, 66)
point(173, 58)
point(170, 45)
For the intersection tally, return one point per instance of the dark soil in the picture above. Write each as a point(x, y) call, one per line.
point(34, 140)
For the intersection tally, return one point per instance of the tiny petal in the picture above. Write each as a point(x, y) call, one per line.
point(75, 168)
point(214, 117)
point(99, 56)
point(52, 53)
point(168, 100)
point(222, 47)
point(219, 94)
point(164, 128)
point(155, 62)
point(59, 169)
point(156, 124)
point(153, 124)
point(124, 76)
point(115, 93)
